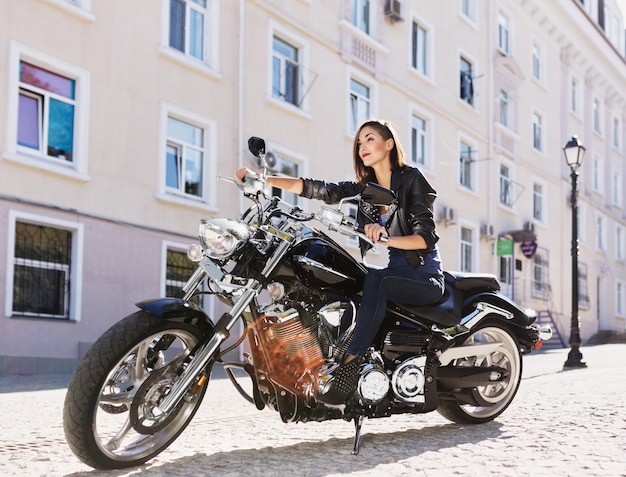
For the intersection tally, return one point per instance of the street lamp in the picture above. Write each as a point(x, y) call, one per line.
point(574, 152)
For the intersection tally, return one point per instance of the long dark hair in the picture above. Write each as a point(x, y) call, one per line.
point(366, 174)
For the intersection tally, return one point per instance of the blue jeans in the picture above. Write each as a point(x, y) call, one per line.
point(400, 284)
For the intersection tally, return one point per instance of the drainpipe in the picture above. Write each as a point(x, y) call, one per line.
point(240, 149)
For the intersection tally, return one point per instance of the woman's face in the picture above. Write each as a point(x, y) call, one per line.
point(373, 148)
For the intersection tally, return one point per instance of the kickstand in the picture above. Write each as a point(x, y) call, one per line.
point(358, 423)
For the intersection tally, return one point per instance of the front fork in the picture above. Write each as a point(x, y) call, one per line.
point(221, 333)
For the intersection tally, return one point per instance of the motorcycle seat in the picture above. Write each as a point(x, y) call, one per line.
point(469, 281)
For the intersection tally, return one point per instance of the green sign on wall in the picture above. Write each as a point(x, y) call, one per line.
point(505, 247)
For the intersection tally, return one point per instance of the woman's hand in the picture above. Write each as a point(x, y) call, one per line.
point(374, 231)
point(240, 174)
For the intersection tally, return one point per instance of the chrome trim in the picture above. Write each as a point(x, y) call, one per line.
point(314, 263)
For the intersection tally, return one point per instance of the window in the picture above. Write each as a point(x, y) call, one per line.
point(466, 166)
point(618, 196)
point(359, 104)
point(419, 140)
point(466, 81)
point(537, 132)
point(188, 24)
point(43, 277)
point(538, 202)
point(468, 8)
point(600, 233)
point(419, 49)
point(597, 172)
point(506, 271)
point(539, 286)
point(504, 109)
point(506, 186)
point(574, 95)
point(503, 34)
point(620, 298)
point(616, 133)
point(285, 71)
point(184, 158)
point(620, 237)
point(537, 63)
point(361, 15)
point(467, 246)
point(46, 112)
point(597, 123)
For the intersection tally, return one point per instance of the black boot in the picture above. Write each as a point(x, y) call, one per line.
point(343, 384)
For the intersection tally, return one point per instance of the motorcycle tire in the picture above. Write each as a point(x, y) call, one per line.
point(495, 397)
point(107, 412)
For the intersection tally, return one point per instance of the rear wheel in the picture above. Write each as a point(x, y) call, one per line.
point(496, 397)
point(108, 414)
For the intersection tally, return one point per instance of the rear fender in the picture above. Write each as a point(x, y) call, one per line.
point(500, 310)
point(177, 309)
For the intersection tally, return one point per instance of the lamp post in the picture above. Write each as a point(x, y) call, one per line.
point(574, 152)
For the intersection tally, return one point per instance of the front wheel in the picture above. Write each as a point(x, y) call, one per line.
point(496, 397)
point(107, 416)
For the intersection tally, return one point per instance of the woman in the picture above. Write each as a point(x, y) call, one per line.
point(413, 275)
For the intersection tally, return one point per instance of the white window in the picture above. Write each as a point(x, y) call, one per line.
point(285, 71)
point(597, 174)
point(467, 249)
point(420, 49)
point(78, 8)
point(537, 63)
point(539, 201)
point(467, 154)
point(540, 265)
point(187, 169)
point(617, 189)
point(506, 185)
point(538, 140)
point(420, 141)
point(597, 116)
point(505, 109)
point(191, 31)
point(44, 273)
point(48, 112)
point(503, 34)
point(468, 8)
point(360, 103)
point(620, 298)
point(583, 293)
point(574, 94)
point(285, 167)
point(620, 242)
point(362, 15)
point(600, 233)
point(466, 81)
point(617, 128)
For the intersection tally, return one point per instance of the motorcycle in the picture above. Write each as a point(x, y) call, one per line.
point(141, 383)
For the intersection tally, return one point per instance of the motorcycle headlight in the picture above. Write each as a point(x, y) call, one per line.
point(221, 237)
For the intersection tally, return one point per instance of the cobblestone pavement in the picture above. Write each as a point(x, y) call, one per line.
point(562, 423)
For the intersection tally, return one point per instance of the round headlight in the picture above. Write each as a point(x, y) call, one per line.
point(220, 237)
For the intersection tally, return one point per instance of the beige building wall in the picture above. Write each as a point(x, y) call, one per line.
point(129, 80)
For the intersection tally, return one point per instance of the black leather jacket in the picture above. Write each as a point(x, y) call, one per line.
point(413, 214)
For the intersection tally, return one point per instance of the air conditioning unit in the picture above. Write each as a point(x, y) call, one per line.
point(273, 161)
point(530, 226)
point(448, 215)
point(393, 10)
point(487, 231)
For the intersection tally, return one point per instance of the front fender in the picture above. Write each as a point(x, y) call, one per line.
point(177, 309)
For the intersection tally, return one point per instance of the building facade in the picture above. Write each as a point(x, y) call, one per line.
point(119, 116)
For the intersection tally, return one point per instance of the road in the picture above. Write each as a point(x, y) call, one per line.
point(562, 423)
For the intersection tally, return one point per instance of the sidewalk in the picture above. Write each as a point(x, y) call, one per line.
point(561, 423)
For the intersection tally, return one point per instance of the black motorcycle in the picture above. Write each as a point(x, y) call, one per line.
point(296, 291)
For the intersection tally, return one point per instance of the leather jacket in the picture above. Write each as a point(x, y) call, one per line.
point(413, 213)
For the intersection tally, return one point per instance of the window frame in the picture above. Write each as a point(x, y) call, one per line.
point(75, 268)
point(210, 63)
point(596, 108)
point(503, 26)
point(541, 200)
point(538, 131)
point(467, 163)
point(467, 249)
point(77, 168)
point(601, 232)
point(620, 242)
point(540, 274)
point(364, 25)
point(426, 136)
point(206, 201)
point(467, 75)
point(538, 62)
point(372, 85)
point(305, 76)
point(620, 298)
point(510, 179)
point(423, 67)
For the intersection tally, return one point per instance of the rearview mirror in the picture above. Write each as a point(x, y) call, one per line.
point(256, 146)
point(377, 195)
